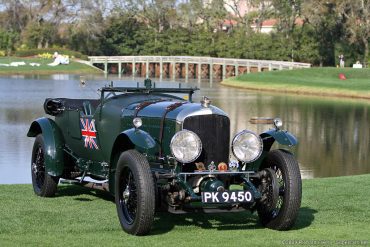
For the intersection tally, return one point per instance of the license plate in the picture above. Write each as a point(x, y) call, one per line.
point(232, 196)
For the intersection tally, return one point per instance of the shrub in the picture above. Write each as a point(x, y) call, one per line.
point(2, 53)
point(45, 55)
point(7, 40)
point(36, 52)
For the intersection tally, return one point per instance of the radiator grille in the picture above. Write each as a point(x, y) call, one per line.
point(214, 132)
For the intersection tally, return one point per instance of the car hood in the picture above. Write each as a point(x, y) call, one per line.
point(179, 112)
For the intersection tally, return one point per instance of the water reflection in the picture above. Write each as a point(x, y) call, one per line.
point(333, 134)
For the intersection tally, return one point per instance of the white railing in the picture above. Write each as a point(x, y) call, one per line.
point(223, 63)
point(271, 64)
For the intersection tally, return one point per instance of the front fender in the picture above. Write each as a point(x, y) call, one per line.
point(281, 136)
point(128, 139)
point(53, 140)
point(140, 138)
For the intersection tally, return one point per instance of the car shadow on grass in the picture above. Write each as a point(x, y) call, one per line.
point(77, 190)
point(165, 222)
point(305, 218)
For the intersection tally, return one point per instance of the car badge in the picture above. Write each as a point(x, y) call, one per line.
point(234, 165)
point(222, 167)
point(212, 167)
point(200, 166)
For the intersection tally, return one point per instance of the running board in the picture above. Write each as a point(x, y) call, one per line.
point(101, 185)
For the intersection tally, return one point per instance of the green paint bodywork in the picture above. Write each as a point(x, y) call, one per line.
point(140, 138)
point(282, 136)
point(113, 120)
point(53, 141)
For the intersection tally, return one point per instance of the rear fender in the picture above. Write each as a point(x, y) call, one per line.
point(54, 142)
point(281, 136)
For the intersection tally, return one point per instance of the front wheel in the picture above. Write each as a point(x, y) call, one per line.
point(43, 184)
point(286, 194)
point(134, 193)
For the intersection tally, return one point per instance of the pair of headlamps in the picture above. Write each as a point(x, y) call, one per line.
point(186, 146)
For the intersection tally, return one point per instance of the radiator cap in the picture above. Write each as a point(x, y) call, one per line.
point(205, 101)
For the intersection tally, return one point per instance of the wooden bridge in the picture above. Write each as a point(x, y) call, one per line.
point(186, 66)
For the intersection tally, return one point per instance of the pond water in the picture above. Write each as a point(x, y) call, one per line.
point(333, 134)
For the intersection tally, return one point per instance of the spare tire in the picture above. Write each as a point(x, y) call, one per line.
point(53, 107)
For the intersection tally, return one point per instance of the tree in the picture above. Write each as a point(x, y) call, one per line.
point(85, 34)
point(178, 41)
point(122, 35)
point(259, 11)
point(14, 15)
point(209, 14)
point(356, 15)
point(308, 48)
point(217, 13)
point(322, 18)
point(202, 43)
point(265, 10)
point(157, 14)
point(287, 12)
point(85, 26)
point(39, 34)
point(188, 14)
point(7, 40)
point(37, 21)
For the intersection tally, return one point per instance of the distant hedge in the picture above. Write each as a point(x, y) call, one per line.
point(35, 52)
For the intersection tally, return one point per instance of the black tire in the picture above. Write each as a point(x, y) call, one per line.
point(134, 193)
point(43, 184)
point(283, 214)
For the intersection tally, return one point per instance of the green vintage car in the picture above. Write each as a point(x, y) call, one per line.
point(154, 149)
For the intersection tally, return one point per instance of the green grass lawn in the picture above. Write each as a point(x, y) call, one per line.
point(333, 210)
point(72, 68)
point(319, 81)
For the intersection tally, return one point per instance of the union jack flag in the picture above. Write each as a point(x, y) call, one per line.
point(88, 131)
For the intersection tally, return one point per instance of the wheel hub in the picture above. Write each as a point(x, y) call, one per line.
point(269, 189)
point(34, 168)
point(126, 194)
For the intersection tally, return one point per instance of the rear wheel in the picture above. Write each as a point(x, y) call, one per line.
point(43, 184)
point(134, 193)
point(280, 203)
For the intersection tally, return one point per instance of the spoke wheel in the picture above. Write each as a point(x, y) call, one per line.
point(281, 200)
point(43, 184)
point(38, 167)
point(128, 196)
point(134, 193)
point(270, 191)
